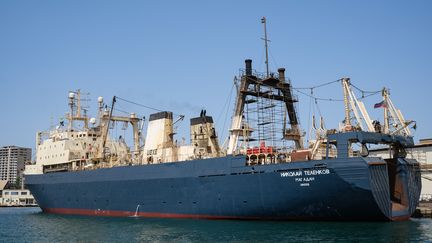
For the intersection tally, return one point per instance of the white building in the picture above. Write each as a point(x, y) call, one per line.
point(17, 198)
point(12, 160)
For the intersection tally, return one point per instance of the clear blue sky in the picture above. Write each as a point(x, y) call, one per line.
point(183, 55)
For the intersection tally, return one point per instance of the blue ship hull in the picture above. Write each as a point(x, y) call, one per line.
point(226, 188)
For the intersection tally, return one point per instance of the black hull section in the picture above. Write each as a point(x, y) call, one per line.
point(349, 189)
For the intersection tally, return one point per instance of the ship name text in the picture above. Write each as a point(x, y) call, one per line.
point(305, 173)
point(305, 177)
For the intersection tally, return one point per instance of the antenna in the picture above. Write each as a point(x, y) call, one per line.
point(71, 104)
point(264, 21)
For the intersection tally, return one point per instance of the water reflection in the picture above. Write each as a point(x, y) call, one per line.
point(30, 225)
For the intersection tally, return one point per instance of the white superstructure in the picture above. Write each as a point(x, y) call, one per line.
point(74, 149)
point(68, 148)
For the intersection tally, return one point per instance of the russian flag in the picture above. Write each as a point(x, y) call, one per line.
point(382, 104)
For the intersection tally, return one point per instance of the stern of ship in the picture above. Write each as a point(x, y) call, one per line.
point(396, 186)
point(395, 182)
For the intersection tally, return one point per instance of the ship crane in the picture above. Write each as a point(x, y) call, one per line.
point(394, 121)
point(133, 119)
point(352, 104)
point(320, 134)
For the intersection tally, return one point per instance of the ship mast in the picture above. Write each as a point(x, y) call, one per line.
point(75, 110)
point(105, 132)
point(264, 21)
point(71, 105)
point(263, 98)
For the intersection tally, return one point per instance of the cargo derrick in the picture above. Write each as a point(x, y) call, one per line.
point(273, 100)
point(273, 89)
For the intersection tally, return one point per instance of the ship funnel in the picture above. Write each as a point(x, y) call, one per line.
point(160, 134)
point(203, 135)
point(281, 72)
point(248, 63)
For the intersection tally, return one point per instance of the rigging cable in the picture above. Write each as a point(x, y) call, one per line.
point(310, 111)
point(365, 96)
point(318, 98)
point(227, 106)
point(145, 106)
point(319, 85)
point(318, 108)
point(122, 111)
point(276, 65)
point(363, 92)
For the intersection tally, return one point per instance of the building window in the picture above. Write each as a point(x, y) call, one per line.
point(14, 193)
point(23, 193)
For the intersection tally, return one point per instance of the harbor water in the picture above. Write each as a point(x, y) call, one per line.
point(31, 225)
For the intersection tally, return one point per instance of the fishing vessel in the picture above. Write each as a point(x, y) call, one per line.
point(263, 171)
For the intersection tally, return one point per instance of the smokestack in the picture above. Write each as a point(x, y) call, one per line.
point(248, 63)
point(281, 72)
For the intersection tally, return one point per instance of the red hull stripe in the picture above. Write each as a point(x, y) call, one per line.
point(115, 213)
